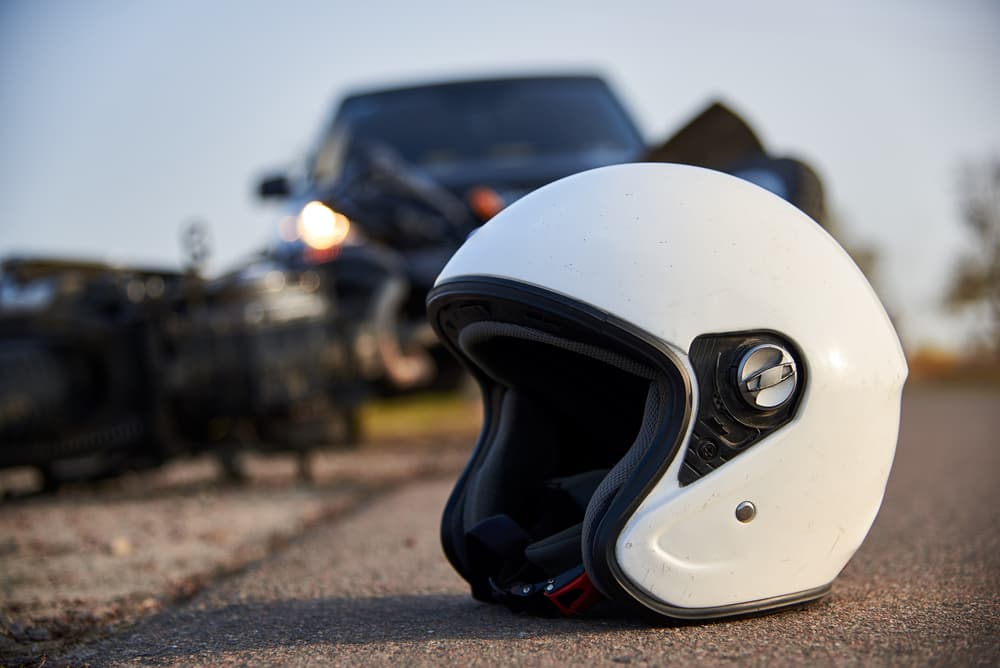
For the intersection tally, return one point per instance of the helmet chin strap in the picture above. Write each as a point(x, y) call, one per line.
point(498, 544)
point(570, 593)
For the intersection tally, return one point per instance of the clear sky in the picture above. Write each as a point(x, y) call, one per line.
point(123, 120)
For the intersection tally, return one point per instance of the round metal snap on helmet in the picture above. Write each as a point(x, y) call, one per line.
point(691, 397)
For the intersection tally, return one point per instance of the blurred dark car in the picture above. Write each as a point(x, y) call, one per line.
point(402, 176)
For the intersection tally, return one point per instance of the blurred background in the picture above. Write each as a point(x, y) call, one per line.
point(124, 120)
point(220, 221)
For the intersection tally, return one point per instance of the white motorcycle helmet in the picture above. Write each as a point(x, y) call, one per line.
point(691, 397)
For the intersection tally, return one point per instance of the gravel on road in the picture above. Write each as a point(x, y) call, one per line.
point(91, 559)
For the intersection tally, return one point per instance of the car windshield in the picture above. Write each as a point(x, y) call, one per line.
point(508, 121)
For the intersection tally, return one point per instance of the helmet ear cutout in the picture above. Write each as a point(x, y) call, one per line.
point(551, 322)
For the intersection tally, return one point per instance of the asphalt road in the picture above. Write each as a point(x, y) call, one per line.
point(372, 587)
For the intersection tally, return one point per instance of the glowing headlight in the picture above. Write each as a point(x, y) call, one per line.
point(321, 227)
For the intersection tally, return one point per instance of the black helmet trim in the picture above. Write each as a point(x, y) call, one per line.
point(498, 307)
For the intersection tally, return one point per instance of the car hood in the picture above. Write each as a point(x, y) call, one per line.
point(520, 176)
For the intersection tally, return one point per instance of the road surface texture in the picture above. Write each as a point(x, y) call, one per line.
point(372, 587)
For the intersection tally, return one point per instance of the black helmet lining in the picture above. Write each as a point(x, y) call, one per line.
point(572, 415)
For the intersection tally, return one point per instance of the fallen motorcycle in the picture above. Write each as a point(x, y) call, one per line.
point(105, 369)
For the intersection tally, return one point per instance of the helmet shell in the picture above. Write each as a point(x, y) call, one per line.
point(680, 252)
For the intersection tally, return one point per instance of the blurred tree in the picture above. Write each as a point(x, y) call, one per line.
point(975, 281)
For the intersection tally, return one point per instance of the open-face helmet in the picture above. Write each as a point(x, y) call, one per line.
point(691, 397)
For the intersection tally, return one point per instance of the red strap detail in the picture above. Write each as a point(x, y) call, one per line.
point(577, 596)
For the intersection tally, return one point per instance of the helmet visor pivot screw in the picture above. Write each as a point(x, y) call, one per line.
point(767, 376)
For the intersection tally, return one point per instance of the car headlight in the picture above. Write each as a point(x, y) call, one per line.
point(320, 227)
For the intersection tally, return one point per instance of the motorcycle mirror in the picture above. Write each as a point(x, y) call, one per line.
point(194, 241)
point(274, 186)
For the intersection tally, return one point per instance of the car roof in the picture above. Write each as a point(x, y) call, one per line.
point(459, 82)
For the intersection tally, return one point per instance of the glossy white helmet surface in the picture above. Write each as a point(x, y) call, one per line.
point(681, 252)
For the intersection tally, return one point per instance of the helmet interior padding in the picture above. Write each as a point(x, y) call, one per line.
point(574, 421)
